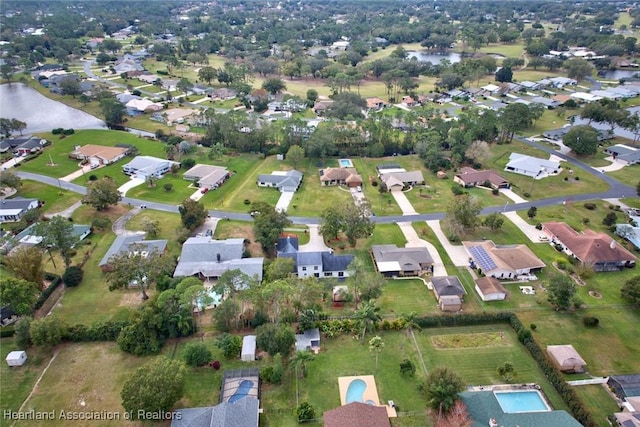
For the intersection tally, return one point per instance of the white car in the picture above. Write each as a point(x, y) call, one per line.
point(359, 189)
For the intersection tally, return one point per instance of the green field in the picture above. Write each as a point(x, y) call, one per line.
point(55, 199)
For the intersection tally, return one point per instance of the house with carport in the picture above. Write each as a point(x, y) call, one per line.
point(566, 358)
point(392, 261)
point(144, 166)
point(470, 177)
point(449, 292)
point(624, 154)
point(207, 176)
point(598, 250)
point(507, 262)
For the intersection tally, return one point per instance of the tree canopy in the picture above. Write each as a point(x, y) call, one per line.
point(58, 234)
point(102, 193)
point(192, 214)
point(18, 294)
point(268, 224)
point(441, 388)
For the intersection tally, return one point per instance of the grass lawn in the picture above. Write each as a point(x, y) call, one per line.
point(182, 189)
point(611, 348)
point(55, 199)
point(17, 382)
point(170, 227)
point(227, 229)
point(59, 151)
point(509, 50)
point(77, 381)
point(628, 174)
point(403, 296)
point(477, 365)
point(599, 402)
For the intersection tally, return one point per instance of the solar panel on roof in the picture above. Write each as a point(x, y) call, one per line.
point(482, 258)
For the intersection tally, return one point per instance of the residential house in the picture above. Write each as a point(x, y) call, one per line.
point(356, 414)
point(207, 176)
point(503, 261)
point(547, 102)
point(490, 289)
point(131, 243)
point(12, 210)
point(143, 105)
point(318, 264)
point(22, 146)
point(585, 97)
point(566, 358)
point(143, 166)
point(29, 236)
point(530, 85)
point(560, 82)
point(284, 181)
point(397, 178)
point(207, 258)
point(392, 261)
point(340, 176)
point(409, 101)
point(321, 106)
point(241, 412)
point(308, 340)
point(598, 250)
point(469, 177)
point(376, 104)
point(491, 89)
point(449, 292)
point(99, 154)
point(127, 63)
point(558, 134)
point(532, 166)
point(624, 154)
point(630, 232)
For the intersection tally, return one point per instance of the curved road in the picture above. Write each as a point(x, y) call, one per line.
point(616, 190)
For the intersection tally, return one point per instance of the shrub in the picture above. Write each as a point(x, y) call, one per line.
point(566, 178)
point(586, 221)
point(55, 282)
point(93, 177)
point(229, 344)
point(215, 365)
point(305, 412)
point(196, 354)
point(457, 190)
point(47, 331)
point(72, 276)
point(577, 178)
point(495, 191)
point(539, 226)
point(22, 330)
point(533, 326)
point(101, 223)
point(527, 195)
point(374, 183)
point(57, 131)
point(407, 368)
point(590, 206)
point(247, 202)
point(590, 321)
point(188, 163)
point(68, 132)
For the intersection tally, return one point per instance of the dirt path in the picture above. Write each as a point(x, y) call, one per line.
point(415, 343)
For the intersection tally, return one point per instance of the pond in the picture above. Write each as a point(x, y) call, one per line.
point(435, 58)
point(41, 114)
point(617, 74)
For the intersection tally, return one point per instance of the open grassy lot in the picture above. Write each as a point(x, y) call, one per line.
point(17, 382)
point(77, 381)
point(182, 189)
point(478, 365)
point(628, 174)
point(611, 348)
point(55, 199)
point(403, 296)
point(599, 402)
point(509, 50)
point(59, 151)
point(170, 227)
point(547, 187)
point(227, 229)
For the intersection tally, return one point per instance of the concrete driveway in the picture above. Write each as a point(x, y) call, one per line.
point(535, 235)
point(457, 253)
point(285, 199)
point(404, 203)
point(614, 166)
point(77, 174)
point(413, 241)
point(134, 182)
point(316, 241)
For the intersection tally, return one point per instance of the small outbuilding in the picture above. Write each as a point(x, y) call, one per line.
point(16, 358)
point(308, 340)
point(566, 358)
point(490, 289)
point(248, 353)
point(450, 303)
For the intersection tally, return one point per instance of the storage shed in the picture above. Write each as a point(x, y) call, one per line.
point(248, 348)
point(16, 358)
point(566, 358)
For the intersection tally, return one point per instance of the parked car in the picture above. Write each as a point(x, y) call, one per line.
point(204, 190)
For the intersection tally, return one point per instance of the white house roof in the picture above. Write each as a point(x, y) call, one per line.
point(533, 164)
point(584, 96)
point(147, 163)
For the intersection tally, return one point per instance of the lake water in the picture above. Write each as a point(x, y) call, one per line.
point(617, 74)
point(435, 58)
point(41, 114)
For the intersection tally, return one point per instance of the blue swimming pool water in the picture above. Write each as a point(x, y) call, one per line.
point(521, 401)
point(243, 389)
point(355, 391)
point(345, 163)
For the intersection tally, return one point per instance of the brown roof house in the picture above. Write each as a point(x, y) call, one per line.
point(469, 177)
point(490, 289)
point(340, 176)
point(566, 358)
point(392, 261)
point(589, 247)
point(102, 155)
point(503, 261)
point(356, 414)
point(449, 292)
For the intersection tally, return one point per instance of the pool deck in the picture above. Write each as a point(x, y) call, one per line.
point(231, 385)
point(370, 393)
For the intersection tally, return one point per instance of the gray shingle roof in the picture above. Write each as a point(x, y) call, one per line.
point(331, 262)
point(241, 413)
point(447, 285)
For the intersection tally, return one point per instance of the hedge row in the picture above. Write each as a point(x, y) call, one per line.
point(99, 331)
point(55, 282)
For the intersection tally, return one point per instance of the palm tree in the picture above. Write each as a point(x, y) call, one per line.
point(376, 345)
point(299, 360)
point(367, 316)
point(410, 322)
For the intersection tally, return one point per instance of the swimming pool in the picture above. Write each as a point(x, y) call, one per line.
point(355, 392)
point(513, 402)
point(243, 389)
point(215, 300)
point(345, 163)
